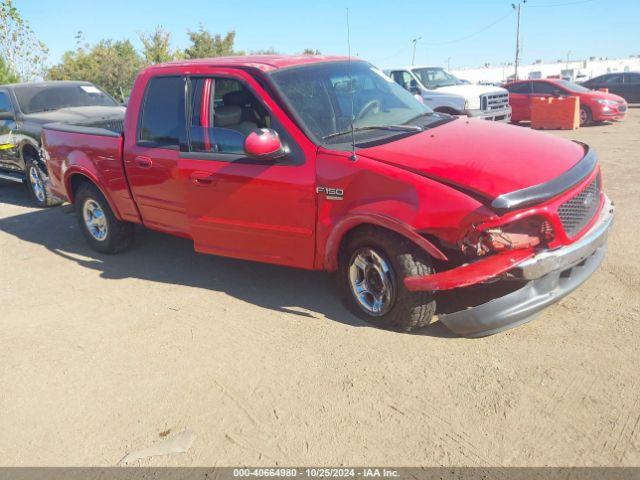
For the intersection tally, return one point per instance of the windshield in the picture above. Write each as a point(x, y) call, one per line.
point(572, 86)
point(433, 78)
point(325, 95)
point(46, 97)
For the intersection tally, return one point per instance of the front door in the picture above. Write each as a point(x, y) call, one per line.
point(151, 159)
point(8, 150)
point(242, 207)
point(519, 100)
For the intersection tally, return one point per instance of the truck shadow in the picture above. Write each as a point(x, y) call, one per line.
point(164, 258)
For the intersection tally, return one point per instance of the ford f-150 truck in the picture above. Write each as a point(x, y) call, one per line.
point(325, 163)
point(25, 108)
point(446, 93)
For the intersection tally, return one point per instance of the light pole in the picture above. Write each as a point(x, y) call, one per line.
point(415, 43)
point(518, 8)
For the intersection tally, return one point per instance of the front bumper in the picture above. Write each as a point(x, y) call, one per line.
point(612, 112)
point(549, 276)
point(502, 115)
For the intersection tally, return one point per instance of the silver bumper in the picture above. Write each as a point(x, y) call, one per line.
point(550, 276)
point(502, 115)
point(565, 257)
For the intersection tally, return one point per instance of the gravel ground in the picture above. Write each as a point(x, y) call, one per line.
point(104, 355)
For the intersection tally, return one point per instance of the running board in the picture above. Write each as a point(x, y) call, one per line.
point(12, 177)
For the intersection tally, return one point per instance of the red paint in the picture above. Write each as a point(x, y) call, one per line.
point(470, 274)
point(433, 187)
point(521, 103)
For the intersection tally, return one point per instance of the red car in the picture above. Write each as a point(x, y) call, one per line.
point(595, 106)
point(327, 164)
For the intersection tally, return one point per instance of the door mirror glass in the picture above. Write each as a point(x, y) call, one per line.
point(264, 144)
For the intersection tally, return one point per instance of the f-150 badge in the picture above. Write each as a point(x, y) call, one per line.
point(331, 193)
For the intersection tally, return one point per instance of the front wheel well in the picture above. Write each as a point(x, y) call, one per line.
point(374, 229)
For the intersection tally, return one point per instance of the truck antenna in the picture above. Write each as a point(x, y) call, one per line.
point(351, 87)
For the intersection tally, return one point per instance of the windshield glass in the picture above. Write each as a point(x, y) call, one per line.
point(572, 86)
point(324, 96)
point(433, 78)
point(44, 98)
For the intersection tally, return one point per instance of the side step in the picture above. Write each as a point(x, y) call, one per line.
point(12, 177)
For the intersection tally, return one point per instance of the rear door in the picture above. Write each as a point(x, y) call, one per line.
point(614, 83)
point(151, 159)
point(238, 206)
point(631, 83)
point(519, 94)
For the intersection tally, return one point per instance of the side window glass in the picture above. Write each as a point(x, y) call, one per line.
point(632, 78)
point(544, 88)
point(163, 121)
point(521, 88)
point(613, 79)
point(5, 104)
point(223, 113)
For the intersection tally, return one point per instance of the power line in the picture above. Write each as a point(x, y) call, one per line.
point(577, 2)
point(483, 29)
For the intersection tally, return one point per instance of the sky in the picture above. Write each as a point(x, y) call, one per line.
point(455, 34)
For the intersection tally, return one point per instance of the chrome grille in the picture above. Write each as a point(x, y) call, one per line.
point(494, 101)
point(576, 212)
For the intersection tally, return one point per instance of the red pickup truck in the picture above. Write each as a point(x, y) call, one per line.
point(325, 163)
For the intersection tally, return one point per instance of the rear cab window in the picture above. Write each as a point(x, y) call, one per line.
point(162, 117)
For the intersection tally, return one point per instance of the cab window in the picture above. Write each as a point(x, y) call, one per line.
point(162, 122)
point(5, 104)
point(223, 113)
point(402, 78)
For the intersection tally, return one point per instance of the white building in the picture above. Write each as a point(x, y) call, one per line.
point(576, 70)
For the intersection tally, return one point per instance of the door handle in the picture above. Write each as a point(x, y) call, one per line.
point(202, 178)
point(143, 162)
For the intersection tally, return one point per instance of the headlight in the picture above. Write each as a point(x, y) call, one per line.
point(526, 233)
point(472, 103)
point(606, 102)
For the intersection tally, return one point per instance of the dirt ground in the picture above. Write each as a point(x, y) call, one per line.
point(104, 355)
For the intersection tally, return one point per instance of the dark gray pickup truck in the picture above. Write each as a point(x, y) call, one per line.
point(25, 108)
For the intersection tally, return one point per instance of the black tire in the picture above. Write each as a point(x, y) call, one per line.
point(586, 117)
point(118, 235)
point(37, 181)
point(408, 310)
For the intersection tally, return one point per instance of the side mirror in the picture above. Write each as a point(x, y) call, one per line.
point(264, 144)
point(6, 116)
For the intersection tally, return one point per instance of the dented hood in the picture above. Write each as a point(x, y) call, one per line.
point(487, 158)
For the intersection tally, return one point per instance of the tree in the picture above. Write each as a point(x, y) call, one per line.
point(266, 51)
point(23, 54)
point(112, 65)
point(311, 51)
point(157, 46)
point(205, 45)
point(6, 75)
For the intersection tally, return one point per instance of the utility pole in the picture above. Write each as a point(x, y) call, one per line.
point(518, 8)
point(415, 43)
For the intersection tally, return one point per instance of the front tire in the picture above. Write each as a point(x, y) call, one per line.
point(372, 267)
point(586, 117)
point(104, 232)
point(39, 186)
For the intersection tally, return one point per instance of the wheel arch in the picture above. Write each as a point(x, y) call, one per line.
point(349, 226)
point(73, 181)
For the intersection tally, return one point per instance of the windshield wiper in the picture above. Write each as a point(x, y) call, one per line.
point(396, 128)
point(425, 114)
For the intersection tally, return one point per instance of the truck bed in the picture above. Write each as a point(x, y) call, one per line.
point(90, 150)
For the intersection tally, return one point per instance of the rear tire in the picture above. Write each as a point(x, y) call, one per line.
point(104, 232)
point(390, 258)
point(38, 184)
point(586, 116)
